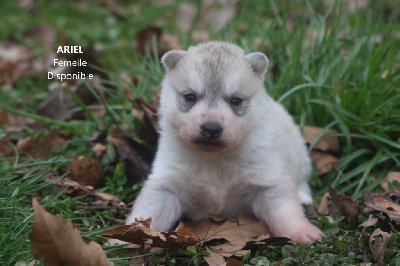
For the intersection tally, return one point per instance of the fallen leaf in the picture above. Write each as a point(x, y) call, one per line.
point(79, 189)
point(3, 117)
point(140, 233)
point(389, 178)
point(15, 62)
point(325, 142)
point(348, 207)
point(44, 33)
point(149, 125)
point(186, 15)
point(328, 208)
point(323, 162)
point(214, 258)
point(384, 206)
point(378, 242)
point(99, 149)
point(216, 227)
point(369, 222)
point(39, 148)
point(60, 243)
point(233, 262)
point(86, 171)
point(5, 149)
point(114, 8)
point(165, 43)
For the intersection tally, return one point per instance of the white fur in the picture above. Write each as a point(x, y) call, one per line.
point(262, 168)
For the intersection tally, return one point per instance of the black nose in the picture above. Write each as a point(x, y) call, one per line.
point(211, 131)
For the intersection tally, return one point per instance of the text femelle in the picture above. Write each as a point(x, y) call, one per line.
point(69, 50)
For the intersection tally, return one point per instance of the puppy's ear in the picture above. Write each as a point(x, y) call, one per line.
point(259, 63)
point(171, 59)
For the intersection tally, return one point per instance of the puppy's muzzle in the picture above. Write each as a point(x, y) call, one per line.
point(211, 131)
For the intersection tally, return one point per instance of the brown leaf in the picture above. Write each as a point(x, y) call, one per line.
point(86, 171)
point(60, 244)
point(5, 149)
point(384, 206)
point(35, 148)
point(328, 208)
point(43, 32)
point(3, 117)
point(390, 177)
point(149, 126)
point(114, 8)
point(165, 43)
point(233, 262)
point(214, 258)
point(216, 227)
point(378, 242)
point(324, 162)
point(186, 15)
point(79, 189)
point(324, 143)
point(348, 207)
point(99, 149)
point(140, 233)
point(15, 62)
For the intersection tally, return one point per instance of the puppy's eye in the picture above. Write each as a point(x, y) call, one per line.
point(236, 101)
point(190, 97)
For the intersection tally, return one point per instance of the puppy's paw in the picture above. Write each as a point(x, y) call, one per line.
point(300, 232)
point(306, 234)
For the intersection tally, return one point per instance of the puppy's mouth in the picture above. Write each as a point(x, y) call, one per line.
point(208, 145)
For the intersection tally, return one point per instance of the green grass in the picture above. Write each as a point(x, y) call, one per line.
point(329, 68)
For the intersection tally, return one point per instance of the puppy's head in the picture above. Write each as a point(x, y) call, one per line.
point(209, 94)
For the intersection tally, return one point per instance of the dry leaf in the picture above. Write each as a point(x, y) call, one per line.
point(79, 189)
point(233, 262)
point(328, 208)
point(140, 233)
point(389, 178)
point(324, 162)
point(44, 33)
point(214, 258)
point(60, 244)
point(165, 43)
point(5, 149)
point(99, 149)
point(377, 244)
point(324, 143)
point(35, 148)
point(186, 15)
point(86, 171)
point(216, 227)
point(369, 222)
point(348, 207)
point(15, 62)
point(384, 206)
point(149, 126)
point(3, 117)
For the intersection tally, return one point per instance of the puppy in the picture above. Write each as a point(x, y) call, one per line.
point(226, 147)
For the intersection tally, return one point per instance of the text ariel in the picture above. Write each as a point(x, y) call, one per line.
point(68, 63)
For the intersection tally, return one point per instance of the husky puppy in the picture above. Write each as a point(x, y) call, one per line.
point(226, 147)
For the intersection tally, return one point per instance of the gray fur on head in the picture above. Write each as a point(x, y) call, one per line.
point(171, 59)
point(259, 63)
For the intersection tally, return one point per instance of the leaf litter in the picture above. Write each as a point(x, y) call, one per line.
point(59, 243)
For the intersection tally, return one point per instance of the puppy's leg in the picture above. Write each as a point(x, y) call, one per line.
point(154, 201)
point(280, 208)
point(303, 192)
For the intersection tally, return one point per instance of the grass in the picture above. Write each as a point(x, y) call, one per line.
point(329, 67)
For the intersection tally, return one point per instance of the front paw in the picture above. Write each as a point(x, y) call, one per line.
point(299, 232)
